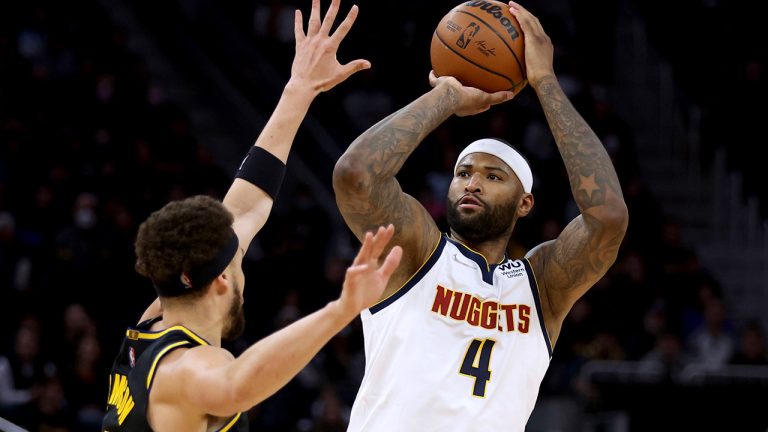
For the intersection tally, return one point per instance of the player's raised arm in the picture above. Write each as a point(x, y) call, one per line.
point(569, 265)
point(367, 192)
point(315, 69)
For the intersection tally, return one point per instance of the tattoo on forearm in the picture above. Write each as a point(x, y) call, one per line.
point(590, 170)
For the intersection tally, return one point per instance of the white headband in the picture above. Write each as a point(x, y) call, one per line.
point(505, 152)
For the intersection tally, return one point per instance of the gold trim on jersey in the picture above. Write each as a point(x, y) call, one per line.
point(159, 356)
point(439, 239)
point(134, 334)
point(231, 423)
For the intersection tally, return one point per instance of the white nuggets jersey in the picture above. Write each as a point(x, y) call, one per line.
point(460, 347)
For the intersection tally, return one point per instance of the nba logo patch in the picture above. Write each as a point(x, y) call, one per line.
point(132, 356)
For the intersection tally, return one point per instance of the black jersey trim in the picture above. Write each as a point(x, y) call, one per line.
point(536, 298)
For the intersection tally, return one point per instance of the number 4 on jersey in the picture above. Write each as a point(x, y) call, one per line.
point(478, 366)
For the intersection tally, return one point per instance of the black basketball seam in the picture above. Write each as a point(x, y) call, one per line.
point(471, 62)
point(519, 65)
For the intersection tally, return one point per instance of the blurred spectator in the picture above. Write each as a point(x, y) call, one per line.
point(693, 312)
point(84, 383)
point(712, 344)
point(367, 104)
point(654, 326)
point(329, 414)
point(15, 265)
point(751, 349)
point(53, 411)
point(23, 373)
point(667, 357)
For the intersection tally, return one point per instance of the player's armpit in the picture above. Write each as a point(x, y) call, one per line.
point(568, 266)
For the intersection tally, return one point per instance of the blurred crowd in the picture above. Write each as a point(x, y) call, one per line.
point(90, 144)
point(723, 75)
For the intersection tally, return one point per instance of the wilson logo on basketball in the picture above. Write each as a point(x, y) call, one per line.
point(497, 13)
point(480, 44)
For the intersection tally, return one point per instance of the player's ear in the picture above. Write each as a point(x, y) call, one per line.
point(221, 284)
point(525, 205)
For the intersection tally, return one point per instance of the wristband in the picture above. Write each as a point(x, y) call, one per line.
point(263, 170)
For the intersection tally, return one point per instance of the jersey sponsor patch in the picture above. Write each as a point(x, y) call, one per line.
point(512, 269)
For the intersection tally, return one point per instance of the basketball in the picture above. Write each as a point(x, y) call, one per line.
point(480, 43)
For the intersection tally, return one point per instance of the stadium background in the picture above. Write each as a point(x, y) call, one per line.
point(110, 108)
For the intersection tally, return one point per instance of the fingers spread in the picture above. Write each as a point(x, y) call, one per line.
point(298, 27)
point(330, 17)
point(354, 66)
point(392, 261)
point(314, 19)
point(381, 240)
point(345, 25)
point(365, 250)
point(357, 269)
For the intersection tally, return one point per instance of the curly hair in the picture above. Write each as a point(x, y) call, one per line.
point(181, 236)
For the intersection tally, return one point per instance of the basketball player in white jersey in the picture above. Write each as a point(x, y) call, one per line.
point(463, 335)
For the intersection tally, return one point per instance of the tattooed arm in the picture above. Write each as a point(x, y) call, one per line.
point(367, 192)
point(569, 265)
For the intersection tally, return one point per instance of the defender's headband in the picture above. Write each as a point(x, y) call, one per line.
point(202, 275)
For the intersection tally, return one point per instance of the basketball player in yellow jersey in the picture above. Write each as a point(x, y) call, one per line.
point(171, 373)
point(463, 335)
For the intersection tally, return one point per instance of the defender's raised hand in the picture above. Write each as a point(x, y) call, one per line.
point(366, 279)
point(315, 65)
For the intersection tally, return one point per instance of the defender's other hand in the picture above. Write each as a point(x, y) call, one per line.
point(366, 279)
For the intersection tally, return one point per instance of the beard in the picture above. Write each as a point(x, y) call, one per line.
point(235, 318)
point(487, 224)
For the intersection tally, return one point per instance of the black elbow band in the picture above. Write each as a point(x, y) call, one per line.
point(262, 169)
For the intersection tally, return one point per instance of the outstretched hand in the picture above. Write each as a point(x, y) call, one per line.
point(471, 100)
point(314, 64)
point(366, 279)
